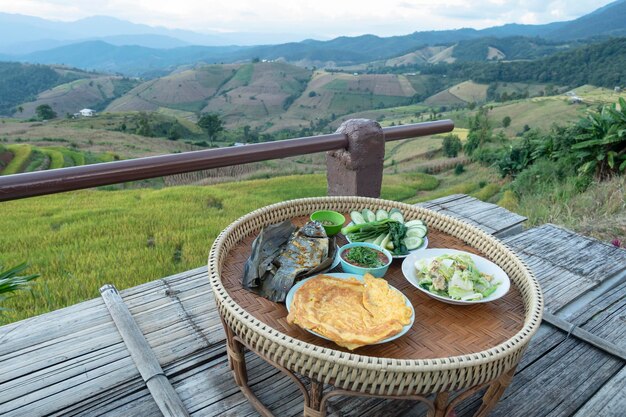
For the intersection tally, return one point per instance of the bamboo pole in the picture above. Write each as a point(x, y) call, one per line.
point(146, 361)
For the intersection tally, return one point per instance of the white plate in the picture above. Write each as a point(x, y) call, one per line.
point(483, 265)
point(405, 329)
point(424, 246)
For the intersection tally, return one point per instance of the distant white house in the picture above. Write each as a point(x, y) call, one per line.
point(87, 113)
point(575, 100)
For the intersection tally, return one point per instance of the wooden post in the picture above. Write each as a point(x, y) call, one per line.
point(146, 361)
point(358, 169)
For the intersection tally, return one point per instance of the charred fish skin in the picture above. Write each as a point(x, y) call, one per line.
point(265, 249)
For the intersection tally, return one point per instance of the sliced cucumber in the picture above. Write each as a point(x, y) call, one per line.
point(423, 227)
point(357, 217)
point(379, 239)
point(381, 215)
point(412, 243)
point(368, 215)
point(416, 232)
point(385, 241)
point(396, 215)
point(413, 223)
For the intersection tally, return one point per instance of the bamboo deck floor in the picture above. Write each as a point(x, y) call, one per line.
point(73, 361)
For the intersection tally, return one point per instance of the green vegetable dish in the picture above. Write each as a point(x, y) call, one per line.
point(365, 257)
point(386, 229)
point(455, 277)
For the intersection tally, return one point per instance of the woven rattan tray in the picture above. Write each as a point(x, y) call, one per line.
point(448, 347)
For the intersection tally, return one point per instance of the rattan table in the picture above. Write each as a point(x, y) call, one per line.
point(450, 353)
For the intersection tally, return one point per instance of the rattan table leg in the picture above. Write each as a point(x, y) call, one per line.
point(440, 404)
point(494, 392)
point(314, 409)
point(236, 358)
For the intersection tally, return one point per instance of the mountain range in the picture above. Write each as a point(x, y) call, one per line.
point(20, 34)
point(115, 45)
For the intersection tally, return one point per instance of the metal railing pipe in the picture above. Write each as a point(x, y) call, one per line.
point(418, 129)
point(32, 184)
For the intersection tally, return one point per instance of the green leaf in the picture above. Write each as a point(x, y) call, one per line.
point(10, 281)
point(588, 144)
point(611, 158)
point(587, 167)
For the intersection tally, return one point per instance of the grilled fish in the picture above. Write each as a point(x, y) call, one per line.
point(272, 273)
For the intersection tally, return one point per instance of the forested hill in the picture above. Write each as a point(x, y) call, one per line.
point(602, 64)
point(606, 21)
point(522, 42)
point(22, 82)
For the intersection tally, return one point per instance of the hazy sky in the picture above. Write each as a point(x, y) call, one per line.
point(319, 18)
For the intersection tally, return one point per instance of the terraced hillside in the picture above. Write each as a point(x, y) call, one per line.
point(187, 90)
point(96, 135)
point(463, 93)
point(94, 93)
point(270, 96)
point(472, 92)
point(543, 112)
point(236, 91)
point(426, 55)
point(19, 158)
point(330, 95)
point(258, 91)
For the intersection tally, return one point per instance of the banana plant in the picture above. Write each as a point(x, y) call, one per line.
point(11, 281)
point(601, 145)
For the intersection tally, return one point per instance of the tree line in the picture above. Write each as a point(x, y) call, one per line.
point(600, 64)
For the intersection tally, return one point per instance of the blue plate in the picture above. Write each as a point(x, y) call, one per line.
point(405, 329)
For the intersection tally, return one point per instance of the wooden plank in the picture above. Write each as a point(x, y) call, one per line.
point(567, 265)
point(170, 327)
point(554, 380)
point(44, 330)
point(177, 325)
point(171, 342)
point(144, 358)
point(130, 390)
point(578, 254)
point(442, 200)
point(46, 327)
point(609, 401)
point(486, 216)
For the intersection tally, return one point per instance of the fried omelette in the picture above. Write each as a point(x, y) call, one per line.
point(349, 312)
